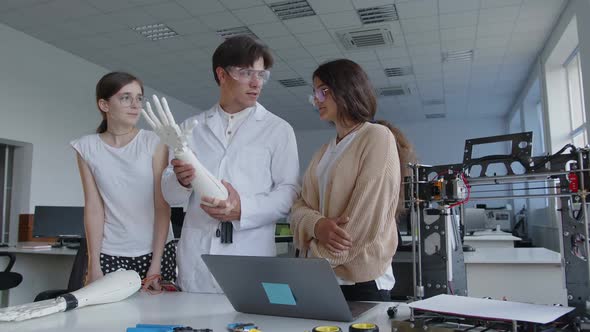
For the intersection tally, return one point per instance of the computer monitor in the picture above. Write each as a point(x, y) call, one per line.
point(56, 221)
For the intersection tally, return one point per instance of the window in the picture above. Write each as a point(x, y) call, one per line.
point(6, 164)
point(577, 114)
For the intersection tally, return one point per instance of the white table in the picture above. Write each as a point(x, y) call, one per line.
point(532, 275)
point(195, 310)
point(491, 239)
point(41, 270)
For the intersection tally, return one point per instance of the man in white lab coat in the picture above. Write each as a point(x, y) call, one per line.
point(252, 150)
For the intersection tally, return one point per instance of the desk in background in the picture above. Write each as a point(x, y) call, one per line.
point(483, 239)
point(196, 310)
point(532, 275)
point(490, 239)
point(42, 269)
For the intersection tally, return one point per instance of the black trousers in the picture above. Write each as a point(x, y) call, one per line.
point(365, 291)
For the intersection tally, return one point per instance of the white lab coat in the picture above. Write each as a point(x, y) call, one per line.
point(262, 164)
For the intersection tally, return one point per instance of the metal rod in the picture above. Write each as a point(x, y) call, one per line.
point(495, 179)
point(501, 184)
point(514, 189)
point(5, 195)
point(413, 212)
point(523, 176)
point(517, 196)
point(584, 210)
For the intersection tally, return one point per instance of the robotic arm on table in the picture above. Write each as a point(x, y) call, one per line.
point(177, 138)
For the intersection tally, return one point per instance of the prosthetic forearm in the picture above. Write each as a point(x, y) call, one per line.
point(112, 287)
point(177, 138)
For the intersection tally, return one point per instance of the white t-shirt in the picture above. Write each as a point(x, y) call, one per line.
point(125, 179)
point(325, 165)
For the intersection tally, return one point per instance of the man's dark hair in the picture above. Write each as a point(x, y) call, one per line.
point(240, 51)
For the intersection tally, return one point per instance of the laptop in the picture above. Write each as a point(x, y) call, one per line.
point(279, 286)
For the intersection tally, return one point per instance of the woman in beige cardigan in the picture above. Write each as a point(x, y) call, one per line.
point(347, 208)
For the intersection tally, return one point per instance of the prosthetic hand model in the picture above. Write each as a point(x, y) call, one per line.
point(112, 287)
point(176, 138)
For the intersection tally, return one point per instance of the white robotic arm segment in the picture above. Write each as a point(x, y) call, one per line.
point(177, 138)
point(112, 287)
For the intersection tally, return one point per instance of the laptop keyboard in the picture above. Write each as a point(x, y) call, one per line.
point(359, 308)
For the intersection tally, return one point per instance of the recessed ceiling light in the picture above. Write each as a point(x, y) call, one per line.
point(287, 10)
point(394, 91)
point(436, 116)
point(237, 31)
point(398, 71)
point(466, 55)
point(368, 37)
point(293, 82)
point(378, 14)
point(156, 31)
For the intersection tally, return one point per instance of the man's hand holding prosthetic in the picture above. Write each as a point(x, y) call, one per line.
point(224, 210)
point(177, 139)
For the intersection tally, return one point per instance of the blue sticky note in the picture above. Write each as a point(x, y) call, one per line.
point(279, 293)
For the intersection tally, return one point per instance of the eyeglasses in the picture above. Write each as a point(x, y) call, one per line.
point(245, 75)
point(319, 94)
point(126, 100)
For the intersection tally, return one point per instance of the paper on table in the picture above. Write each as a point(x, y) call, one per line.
point(491, 309)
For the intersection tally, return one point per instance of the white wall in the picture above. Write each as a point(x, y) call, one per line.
point(47, 99)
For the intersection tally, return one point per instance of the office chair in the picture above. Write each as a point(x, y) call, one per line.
point(76, 281)
point(9, 279)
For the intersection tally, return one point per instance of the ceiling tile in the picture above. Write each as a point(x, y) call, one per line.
point(397, 62)
point(450, 6)
point(431, 49)
point(420, 24)
point(304, 24)
point(427, 59)
point(499, 3)
point(294, 54)
point(368, 65)
point(393, 52)
point(265, 30)
point(166, 11)
point(314, 38)
point(341, 20)
point(201, 7)
point(254, 15)
point(362, 56)
point(497, 15)
point(130, 18)
point(237, 4)
point(413, 9)
point(464, 33)
point(188, 27)
point(283, 42)
point(457, 20)
point(427, 37)
point(457, 45)
point(487, 30)
point(323, 49)
point(370, 3)
point(492, 42)
point(496, 52)
point(330, 6)
point(221, 20)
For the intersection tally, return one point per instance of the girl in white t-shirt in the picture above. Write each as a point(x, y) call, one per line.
point(126, 217)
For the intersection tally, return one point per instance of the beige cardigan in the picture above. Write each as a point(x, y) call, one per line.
point(364, 185)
